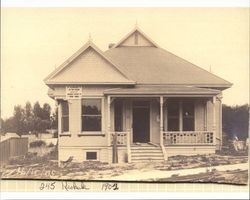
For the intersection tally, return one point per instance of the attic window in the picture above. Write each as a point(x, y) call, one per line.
point(91, 155)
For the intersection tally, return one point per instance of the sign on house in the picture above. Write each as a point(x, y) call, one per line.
point(73, 92)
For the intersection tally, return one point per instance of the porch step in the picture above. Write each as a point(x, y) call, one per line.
point(146, 153)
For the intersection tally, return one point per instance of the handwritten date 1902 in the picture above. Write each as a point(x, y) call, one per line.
point(110, 186)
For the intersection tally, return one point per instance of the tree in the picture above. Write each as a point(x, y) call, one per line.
point(28, 110)
point(18, 119)
point(28, 118)
point(54, 119)
point(37, 110)
point(235, 121)
point(46, 110)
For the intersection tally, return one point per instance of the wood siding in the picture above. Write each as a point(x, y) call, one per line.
point(98, 70)
point(136, 39)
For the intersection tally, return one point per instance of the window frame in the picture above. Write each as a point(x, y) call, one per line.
point(174, 117)
point(90, 133)
point(180, 117)
point(61, 119)
point(89, 152)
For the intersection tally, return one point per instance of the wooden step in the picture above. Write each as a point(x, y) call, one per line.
point(147, 160)
point(146, 153)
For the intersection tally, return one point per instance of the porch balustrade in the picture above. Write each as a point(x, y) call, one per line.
point(188, 138)
point(122, 138)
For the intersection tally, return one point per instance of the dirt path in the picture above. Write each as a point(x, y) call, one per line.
point(136, 175)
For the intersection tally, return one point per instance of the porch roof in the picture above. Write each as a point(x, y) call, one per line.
point(163, 90)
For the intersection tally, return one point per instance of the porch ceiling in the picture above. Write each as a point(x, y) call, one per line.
point(163, 90)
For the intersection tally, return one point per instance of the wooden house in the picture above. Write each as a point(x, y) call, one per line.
point(148, 102)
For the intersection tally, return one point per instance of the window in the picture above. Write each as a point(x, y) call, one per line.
point(173, 115)
point(91, 156)
point(118, 115)
point(188, 115)
point(65, 116)
point(91, 115)
point(174, 109)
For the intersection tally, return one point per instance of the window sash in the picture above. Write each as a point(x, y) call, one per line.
point(91, 122)
point(89, 106)
point(65, 123)
point(188, 121)
point(64, 116)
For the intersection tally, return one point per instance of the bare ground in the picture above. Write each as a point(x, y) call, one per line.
point(46, 167)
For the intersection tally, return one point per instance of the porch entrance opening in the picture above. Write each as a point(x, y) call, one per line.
point(141, 121)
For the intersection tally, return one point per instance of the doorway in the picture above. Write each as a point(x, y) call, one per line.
point(141, 121)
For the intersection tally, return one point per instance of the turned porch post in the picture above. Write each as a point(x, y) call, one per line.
point(161, 120)
point(109, 121)
point(180, 116)
point(214, 119)
point(59, 129)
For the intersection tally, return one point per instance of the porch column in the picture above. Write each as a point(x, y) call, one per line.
point(180, 116)
point(59, 129)
point(108, 121)
point(59, 118)
point(214, 119)
point(205, 116)
point(161, 120)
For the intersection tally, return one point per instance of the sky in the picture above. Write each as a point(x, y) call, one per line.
point(34, 41)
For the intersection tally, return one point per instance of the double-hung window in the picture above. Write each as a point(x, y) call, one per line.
point(173, 115)
point(65, 116)
point(91, 115)
point(180, 115)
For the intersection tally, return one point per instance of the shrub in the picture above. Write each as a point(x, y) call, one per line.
point(37, 143)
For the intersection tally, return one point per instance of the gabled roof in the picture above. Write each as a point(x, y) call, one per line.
point(51, 78)
point(129, 64)
point(147, 65)
point(141, 33)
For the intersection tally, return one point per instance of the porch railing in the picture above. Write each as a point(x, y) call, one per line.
point(122, 138)
point(188, 138)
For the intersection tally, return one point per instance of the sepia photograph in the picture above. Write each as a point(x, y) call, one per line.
point(150, 95)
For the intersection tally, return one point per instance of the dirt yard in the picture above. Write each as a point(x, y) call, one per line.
point(199, 168)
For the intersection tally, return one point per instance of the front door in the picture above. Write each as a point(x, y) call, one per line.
point(141, 121)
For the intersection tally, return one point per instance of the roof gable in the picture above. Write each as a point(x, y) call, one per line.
point(136, 38)
point(88, 66)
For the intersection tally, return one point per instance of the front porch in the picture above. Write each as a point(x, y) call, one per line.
point(174, 142)
point(165, 122)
